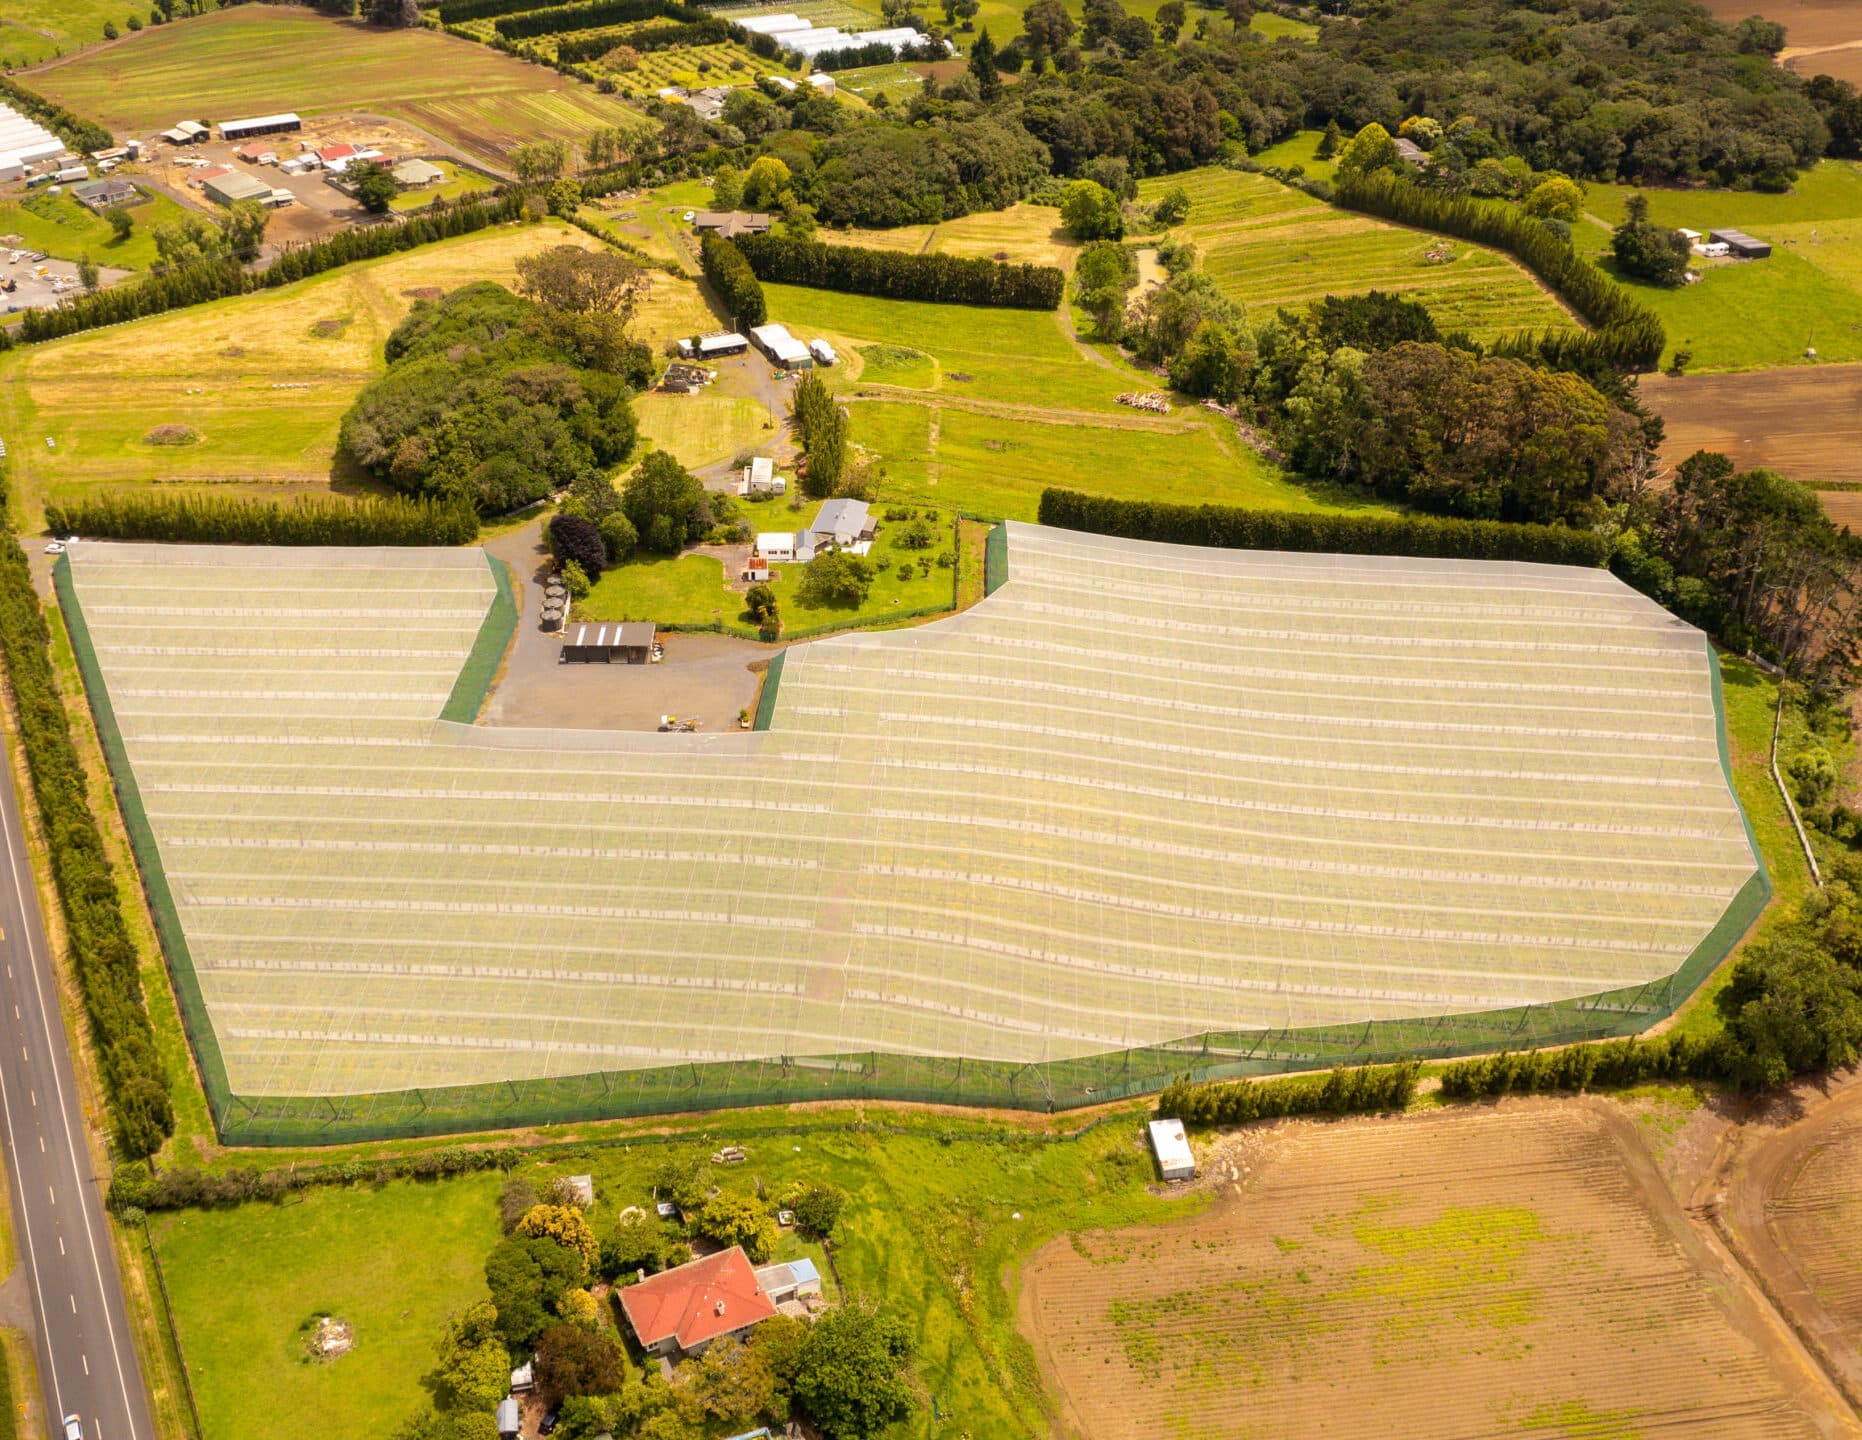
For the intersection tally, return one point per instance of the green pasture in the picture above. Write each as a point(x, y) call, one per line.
point(691, 589)
point(30, 33)
point(1301, 150)
point(898, 81)
point(1268, 245)
point(61, 227)
point(997, 466)
point(1753, 314)
point(941, 1213)
point(394, 1261)
point(1277, 27)
point(1830, 190)
point(1015, 357)
point(257, 58)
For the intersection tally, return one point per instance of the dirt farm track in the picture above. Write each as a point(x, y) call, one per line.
point(1520, 1269)
point(1804, 420)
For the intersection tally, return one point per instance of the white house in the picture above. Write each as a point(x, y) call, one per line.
point(760, 478)
point(823, 352)
point(1172, 1148)
point(796, 546)
point(824, 82)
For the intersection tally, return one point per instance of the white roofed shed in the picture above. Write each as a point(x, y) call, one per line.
point(1175, 1161)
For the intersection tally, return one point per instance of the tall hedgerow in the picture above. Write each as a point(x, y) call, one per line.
point(897, 275)
point(103, 955)
point(1233, 528)
point(733, 279)
point(1361, 1089)
point(306, 520)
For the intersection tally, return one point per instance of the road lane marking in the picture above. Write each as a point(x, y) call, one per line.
point(74, 1138)
point(74, 1303)
point(87, 1363)
point(61, 1244)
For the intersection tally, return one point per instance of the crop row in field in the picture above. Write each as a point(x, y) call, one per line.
point(1268, 246)
point(259, 58)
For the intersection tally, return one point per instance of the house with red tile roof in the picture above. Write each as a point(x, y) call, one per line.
point(682, 1310)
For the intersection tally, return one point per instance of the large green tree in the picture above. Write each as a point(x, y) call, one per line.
point(666, 503)
point(851, 1373)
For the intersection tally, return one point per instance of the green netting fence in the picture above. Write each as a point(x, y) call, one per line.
point(871, 1075)
point(494, 638)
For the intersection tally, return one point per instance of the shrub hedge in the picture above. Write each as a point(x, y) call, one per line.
point(1232, 528)
point(103, 955)
point(592, 15)
point(854, 57)
point(733, 279)
point(1673, 1056)
point(897, 275)
point(307, 520)
point(217, 279)
point(1358, 1089)
point(1629, 334)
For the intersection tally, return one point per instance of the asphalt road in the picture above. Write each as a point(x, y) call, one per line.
point(87, 1355)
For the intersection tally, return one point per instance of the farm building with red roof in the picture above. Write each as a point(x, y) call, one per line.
point(682, 1310)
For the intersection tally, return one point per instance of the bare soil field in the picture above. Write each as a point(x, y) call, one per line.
point(1804, 421)
point(1822, 37)
point(1452, 1274)
point(1790, 1197)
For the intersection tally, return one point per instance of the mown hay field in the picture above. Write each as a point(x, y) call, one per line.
point(256, 59)
point(1269, 246)
point(222, 369)
point(1520, 1270)
point(1023, 233)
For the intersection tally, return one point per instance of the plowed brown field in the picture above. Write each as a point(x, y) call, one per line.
point(1451, 1275)
point(1822, 37)
point(1804, 421)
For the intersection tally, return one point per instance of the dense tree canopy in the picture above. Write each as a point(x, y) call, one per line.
point(481, 402)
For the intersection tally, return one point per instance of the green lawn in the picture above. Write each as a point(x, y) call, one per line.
point(1269, 245)
point(1830, 190)
point(257, 58)
point(1749, 315)
point(1277, 27)
point(393, 1261)
point(459, 182)
point(690, 590)
point(62, 228)
point(939, 1217)
point(1301, 150)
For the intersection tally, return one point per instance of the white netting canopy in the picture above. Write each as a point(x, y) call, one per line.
point(1141, 792)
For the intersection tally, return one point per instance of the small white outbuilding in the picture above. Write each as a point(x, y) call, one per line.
point(1172, 1148)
